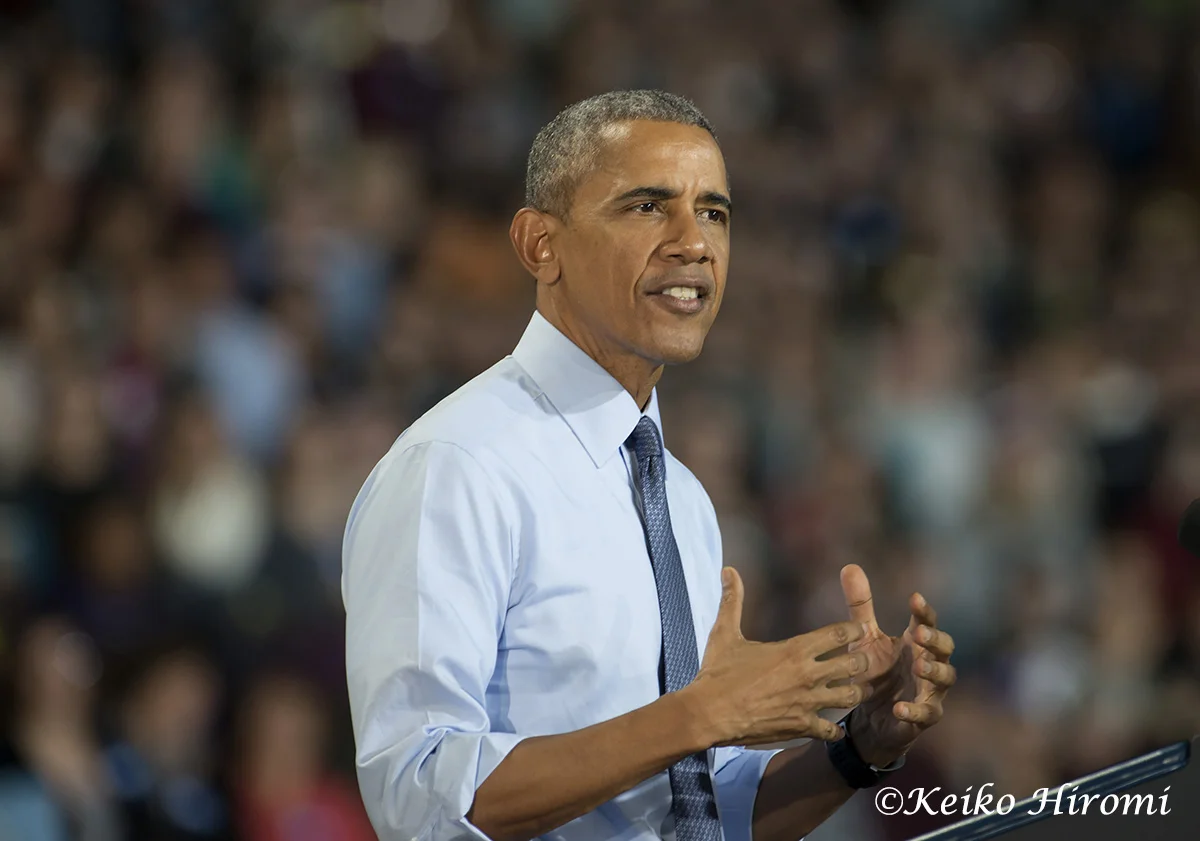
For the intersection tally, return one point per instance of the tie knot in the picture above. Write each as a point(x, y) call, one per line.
point(644, 440)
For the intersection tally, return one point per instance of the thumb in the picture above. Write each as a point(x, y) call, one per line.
point(729, 613)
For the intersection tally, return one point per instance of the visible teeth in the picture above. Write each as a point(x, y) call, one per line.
point(682, 292)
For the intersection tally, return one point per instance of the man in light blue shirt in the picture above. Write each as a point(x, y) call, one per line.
point(541, 640)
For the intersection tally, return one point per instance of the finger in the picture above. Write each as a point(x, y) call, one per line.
point(729, 612)
point(848, 665)
point(857, 590)
point(922, 610)
point(831, 637)
point(923, 715)
point(941, 675)
point(827, 731)
point(918, 608)
point(837, 697)
point(938, 643)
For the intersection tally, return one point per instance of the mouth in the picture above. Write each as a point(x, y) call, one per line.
point(686, 298)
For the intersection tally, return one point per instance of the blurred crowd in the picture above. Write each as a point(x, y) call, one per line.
point(244, 244)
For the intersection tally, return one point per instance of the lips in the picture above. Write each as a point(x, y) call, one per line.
point(685, 288)
point(671, 300)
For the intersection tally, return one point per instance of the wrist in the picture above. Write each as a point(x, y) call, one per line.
point(691, 718)
point(867, 742)
point(854, 767)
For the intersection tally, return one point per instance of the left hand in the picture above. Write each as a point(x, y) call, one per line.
point(909, 675)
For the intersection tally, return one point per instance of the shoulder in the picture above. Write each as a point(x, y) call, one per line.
point(444, 486)
point(483, 413)
point(482, 422)
point(473, 437)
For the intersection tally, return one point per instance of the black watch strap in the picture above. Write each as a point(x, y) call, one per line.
point(852, 767)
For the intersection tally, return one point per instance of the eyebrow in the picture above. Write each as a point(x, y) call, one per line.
point(666, 194)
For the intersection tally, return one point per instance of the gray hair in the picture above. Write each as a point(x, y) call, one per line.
point(568, 148)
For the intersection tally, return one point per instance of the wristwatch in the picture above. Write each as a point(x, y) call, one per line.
point(845, 758)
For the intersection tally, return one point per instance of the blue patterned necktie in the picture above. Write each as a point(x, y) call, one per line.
point(694, 806)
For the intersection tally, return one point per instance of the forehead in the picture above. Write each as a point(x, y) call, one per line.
point(658, 154)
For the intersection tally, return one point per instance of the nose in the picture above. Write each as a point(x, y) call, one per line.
point(685, 241)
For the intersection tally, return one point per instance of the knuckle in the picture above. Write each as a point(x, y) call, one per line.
point(841, 634)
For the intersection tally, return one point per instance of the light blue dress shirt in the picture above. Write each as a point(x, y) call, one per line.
point(497, 586)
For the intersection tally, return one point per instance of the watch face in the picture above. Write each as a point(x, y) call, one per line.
point(854, 770)
point(896, 765)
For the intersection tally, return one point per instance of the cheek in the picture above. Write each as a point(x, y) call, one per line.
point(617, 268)
point(718, 245)
point(601, 258)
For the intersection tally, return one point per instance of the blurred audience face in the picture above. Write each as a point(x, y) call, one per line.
point(170, 715)
point(316, 489)
point(651, 215)
point(57, 669)
point(115, 553)
point(211, 514)
point(282, 740)
point(76, 438)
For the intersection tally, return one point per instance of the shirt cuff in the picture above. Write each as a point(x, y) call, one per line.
point(735, 783)
point(482, 752)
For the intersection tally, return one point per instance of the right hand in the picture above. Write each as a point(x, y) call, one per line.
point(751, 693)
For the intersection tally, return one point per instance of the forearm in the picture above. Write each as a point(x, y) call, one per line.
point(546, 781)
point(799, 790)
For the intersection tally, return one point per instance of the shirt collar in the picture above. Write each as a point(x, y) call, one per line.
point(599, 410)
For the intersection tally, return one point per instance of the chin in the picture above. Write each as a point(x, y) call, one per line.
point(680, 350)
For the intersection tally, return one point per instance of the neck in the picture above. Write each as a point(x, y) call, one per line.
point(637, 375)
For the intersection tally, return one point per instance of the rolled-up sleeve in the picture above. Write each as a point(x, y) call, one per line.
point(427, 567)
point(736, 775)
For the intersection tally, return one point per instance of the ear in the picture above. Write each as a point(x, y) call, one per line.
point(533, 233)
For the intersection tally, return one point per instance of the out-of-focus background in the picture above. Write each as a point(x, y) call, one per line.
point(244, 244)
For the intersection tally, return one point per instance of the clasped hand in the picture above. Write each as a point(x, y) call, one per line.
point(751, 693)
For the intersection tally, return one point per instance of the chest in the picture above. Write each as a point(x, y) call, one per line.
point(583, 619)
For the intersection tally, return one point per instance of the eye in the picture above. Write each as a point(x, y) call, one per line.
point(645, 207)
point(713, 214)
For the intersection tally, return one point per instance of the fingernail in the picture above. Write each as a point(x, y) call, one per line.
point(904, 710)
point(866, 629)
point(725, 576)
point(921, 600)
point(926, 668)
point(924, 634)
